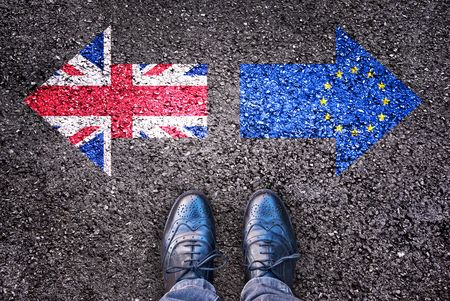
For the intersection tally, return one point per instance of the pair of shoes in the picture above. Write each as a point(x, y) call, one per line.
point(189, 243)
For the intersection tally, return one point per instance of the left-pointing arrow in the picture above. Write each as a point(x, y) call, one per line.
point(356, 101)
point(91, 101)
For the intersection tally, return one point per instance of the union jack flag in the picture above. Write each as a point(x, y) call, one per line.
point(91, 101)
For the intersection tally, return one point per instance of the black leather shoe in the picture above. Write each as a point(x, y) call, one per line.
point(270, 249)
point(189, 243)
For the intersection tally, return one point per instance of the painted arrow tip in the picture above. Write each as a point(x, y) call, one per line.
point(90, 133)
point(374, 101)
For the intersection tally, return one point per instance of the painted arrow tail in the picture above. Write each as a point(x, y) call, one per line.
point(356, 101)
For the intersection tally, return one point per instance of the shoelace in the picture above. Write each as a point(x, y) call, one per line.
point(268, 265)
point(198, 266)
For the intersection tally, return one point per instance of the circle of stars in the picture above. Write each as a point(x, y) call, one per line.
point(339, 128)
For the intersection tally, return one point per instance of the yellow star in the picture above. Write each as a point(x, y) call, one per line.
point(370, 128)
point(385, 101)
point(370, 74)
point(354, 70)
point(339, 74)
point(381, 117)
point(323, 101)
point(327, 116)
point(339, 128)
point(354, 132)
point(381, 85)
point(327, 86)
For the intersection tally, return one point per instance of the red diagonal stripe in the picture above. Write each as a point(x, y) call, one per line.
point(158, 69)
point(174, 132)
point(71, 70)
point(80, 135)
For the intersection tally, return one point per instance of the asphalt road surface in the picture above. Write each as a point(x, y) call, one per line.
point(379, 231)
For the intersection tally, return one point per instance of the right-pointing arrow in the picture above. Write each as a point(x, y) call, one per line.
point(357, 101)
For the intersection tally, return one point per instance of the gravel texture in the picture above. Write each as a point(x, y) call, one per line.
point(379, 231)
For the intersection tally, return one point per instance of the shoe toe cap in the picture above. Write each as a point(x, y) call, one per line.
point(265, 209)
point(191, 206)
point(190, 212)
point(267, 205)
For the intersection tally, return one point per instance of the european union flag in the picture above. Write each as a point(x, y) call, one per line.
point(356, 101)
